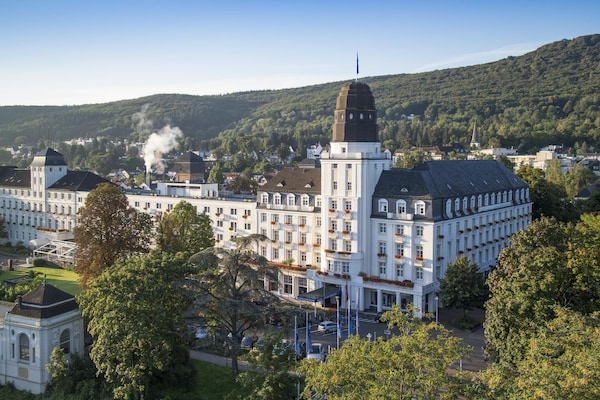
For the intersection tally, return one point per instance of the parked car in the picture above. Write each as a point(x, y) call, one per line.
point(327, 327)
point(316, 352)
point(247, 342)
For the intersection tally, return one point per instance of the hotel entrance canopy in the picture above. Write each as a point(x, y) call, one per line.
point(320, 294)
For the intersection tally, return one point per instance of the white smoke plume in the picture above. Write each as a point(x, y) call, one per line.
point(159, 143)
point(143, 125)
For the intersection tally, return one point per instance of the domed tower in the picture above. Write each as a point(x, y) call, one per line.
point(355, 114)
point(350, 169)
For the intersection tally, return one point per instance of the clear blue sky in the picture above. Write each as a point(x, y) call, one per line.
point(93, 51)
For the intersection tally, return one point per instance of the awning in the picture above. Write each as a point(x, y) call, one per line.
point(320, 294)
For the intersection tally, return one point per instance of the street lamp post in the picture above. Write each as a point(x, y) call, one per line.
point(338, 333)
point(437, 309)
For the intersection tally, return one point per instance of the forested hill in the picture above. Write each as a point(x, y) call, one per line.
point(551, 95)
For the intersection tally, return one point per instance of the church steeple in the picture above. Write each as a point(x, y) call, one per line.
point(475, 137)
point(355, 114)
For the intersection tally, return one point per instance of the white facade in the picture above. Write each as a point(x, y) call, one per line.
point(43, 319)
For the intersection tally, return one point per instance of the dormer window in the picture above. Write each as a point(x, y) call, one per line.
point(382, 205)
point(400, 207)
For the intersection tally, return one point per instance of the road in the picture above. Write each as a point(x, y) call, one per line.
point(475, 362)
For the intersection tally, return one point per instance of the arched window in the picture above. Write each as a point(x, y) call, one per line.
point(305, 200)
point(401, 207)
point(449, 207)
point(383, 205)
point(23, 347)
point(65, 341)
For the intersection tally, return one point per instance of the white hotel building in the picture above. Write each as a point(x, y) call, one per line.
point(377, 235)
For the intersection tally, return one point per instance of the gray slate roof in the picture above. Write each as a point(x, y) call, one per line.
point(78, 181)
point(447, 179)
point(50, 158)
point(295, 180)
point(16, 177)
point(45, 301)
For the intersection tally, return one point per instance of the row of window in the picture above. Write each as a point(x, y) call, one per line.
point(289, 199)
point(27, 353)
point(400, 207)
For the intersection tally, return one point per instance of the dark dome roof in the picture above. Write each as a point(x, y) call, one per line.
point(355, 95)
point(355, 114)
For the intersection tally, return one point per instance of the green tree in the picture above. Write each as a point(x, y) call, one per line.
point(463, 286)
point(135, 317)
point(73, 378)
point(578, 178)
point(269, 376)
point(549, 199)
point(549, 264)
point(504, 160)
point(3, 232)
point(562, 361)
point(108, 230)
point(216, 174)
point(184, 230)
point(228, 284)
point(414, 363)
point(243, 184)
point(412, 158)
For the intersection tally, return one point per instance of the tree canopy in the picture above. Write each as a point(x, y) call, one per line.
point(108, 230)
point(413, 363)
point(183, 229)
point(549, 264)
point(135, 317)
point(561, 361)
point(229, 289)
point(463, 286)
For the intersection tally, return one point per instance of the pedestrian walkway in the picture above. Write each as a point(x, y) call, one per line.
point(216, 359)
point(475, 338)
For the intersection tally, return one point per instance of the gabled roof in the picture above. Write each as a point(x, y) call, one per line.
point(446, 179)
point(83, 181)
point(295, 180)
point(45, 301)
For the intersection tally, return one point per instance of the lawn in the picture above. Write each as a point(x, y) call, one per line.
point(214, 382)
point(61, 278)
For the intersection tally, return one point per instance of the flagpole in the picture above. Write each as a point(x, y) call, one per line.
point(357, 307)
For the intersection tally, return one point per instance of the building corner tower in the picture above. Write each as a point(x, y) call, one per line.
point(350, 169)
